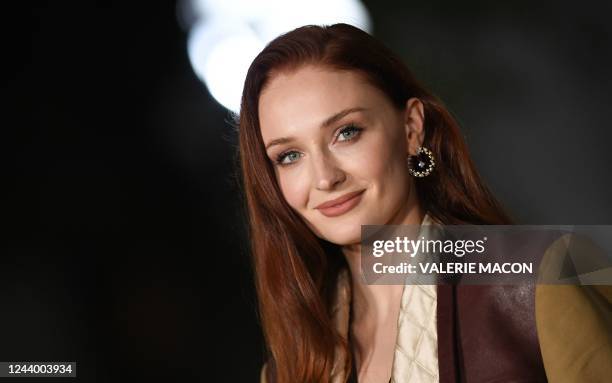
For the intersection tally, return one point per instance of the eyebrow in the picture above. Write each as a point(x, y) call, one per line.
point(329, 121)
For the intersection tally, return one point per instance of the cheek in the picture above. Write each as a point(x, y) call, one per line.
point(379, 161)
point(294, 188)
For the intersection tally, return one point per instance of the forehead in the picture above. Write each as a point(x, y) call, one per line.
point(304, 98)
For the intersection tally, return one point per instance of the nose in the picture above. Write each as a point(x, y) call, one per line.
point(327, 173)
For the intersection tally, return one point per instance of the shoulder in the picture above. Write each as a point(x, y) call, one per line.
point(574, 326)
point(574, 320)
point(340, 312)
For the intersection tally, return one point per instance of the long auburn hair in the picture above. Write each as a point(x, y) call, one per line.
point(295, 271)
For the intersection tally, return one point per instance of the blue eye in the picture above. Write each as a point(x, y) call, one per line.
point(349, 132)
point(292, 155)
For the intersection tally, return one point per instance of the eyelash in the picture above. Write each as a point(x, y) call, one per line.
point(350, 127)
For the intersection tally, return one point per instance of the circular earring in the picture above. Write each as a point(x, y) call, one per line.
point(421, 164)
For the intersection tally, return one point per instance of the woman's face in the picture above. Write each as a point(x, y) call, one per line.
point(330, 134)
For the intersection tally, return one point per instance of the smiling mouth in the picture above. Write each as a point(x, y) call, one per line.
point(342, 207)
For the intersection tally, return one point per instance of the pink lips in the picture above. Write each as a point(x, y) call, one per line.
point(340, 205)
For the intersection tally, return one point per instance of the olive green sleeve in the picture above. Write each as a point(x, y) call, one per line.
point(574, 325)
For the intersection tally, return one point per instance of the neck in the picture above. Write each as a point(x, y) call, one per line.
point(375, 308)
point(375, 300)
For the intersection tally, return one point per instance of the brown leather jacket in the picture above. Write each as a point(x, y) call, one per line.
point(488, 334)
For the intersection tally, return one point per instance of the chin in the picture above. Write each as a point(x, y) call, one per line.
point(343, 235)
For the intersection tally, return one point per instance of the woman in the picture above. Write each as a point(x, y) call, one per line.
point(335, 133)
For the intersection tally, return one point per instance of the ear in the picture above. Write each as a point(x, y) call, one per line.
point(414, 123)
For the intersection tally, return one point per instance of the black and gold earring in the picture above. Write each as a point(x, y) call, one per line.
point(422, 163)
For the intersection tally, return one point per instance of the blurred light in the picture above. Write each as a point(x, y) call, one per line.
point(228, 34)
point(220, 58)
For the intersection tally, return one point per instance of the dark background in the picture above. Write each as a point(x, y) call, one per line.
point(125, 246)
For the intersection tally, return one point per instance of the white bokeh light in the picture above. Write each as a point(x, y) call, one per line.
point(230, 33)
point(221, 59)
